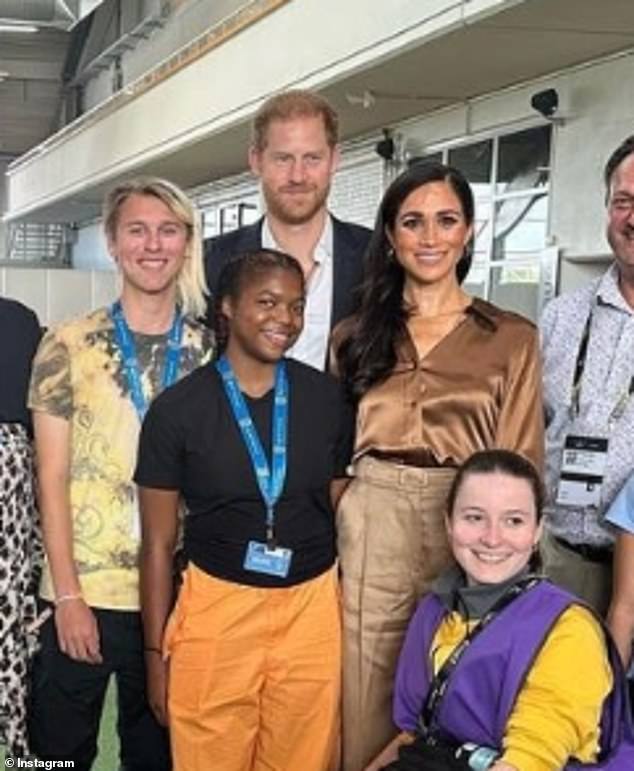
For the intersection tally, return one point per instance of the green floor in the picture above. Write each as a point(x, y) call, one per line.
point(108, 757)
point(107, 760)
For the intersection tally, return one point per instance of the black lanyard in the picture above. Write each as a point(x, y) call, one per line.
point(438, 686)
point(580, 365)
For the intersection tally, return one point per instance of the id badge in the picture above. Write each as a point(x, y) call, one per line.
point(274, 562)
point(583, 466)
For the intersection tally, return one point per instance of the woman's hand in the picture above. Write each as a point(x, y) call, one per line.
point(77, 631)
point(501, 766)
point(157, 672)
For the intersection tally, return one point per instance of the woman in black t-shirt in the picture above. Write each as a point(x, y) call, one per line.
point(252, 444)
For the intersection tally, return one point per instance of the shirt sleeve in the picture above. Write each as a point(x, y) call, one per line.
point(161, 449)
point(521, 421)
point(557, 713)
point(50, 390)
point(547, 323)
point(621, 511)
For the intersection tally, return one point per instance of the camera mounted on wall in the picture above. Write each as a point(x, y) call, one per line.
point(547, 104)
point(386, 147)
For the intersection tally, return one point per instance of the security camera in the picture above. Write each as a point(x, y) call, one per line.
point(386, 148)
point(546, 102)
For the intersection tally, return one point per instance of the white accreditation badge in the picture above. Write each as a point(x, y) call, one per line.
point(582, 470)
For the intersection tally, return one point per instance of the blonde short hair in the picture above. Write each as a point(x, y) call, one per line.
point(191, 285)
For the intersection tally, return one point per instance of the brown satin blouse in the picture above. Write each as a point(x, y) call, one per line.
point(478, 388)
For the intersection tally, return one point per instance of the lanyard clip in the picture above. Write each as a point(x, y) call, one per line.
point(271, 542)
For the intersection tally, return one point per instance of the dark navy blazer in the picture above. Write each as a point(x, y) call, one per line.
point(349, 245)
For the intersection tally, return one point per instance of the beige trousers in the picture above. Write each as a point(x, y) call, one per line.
point(392, 544)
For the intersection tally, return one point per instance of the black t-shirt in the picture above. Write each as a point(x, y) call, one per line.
point(19, 337)
point(190, 442)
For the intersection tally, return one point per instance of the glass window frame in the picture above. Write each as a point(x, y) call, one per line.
point(545, 260)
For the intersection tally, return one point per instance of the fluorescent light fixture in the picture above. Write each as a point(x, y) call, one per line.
point(28, 28)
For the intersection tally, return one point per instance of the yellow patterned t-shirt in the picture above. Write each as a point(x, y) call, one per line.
point(78, 375)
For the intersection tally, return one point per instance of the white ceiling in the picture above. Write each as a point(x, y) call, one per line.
point(30, 93)
point(528, 40)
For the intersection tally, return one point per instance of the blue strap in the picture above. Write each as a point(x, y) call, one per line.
point(270, 478)
point(125, 341)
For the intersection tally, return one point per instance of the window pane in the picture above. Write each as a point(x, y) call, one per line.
point(516, 288)
point(474, 161)
point(523, 161)
point(431, 158)
point(475, 282)
point(520, 227)
point(482, 226)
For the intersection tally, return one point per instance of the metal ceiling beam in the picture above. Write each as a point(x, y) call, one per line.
point(52, 13)
point(29, 69)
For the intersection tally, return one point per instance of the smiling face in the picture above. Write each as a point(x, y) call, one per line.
point(620, 229)
point(149, 244)
point(295, 167)
point(493, 526)
point(267, 316)
point(430, 233)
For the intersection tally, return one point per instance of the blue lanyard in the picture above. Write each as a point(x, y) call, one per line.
point(125, 341)
point(270, 480)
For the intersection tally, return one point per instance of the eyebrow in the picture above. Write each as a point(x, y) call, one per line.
point(273, 293)
point(471, 507)
point(127, 223)
point(417, 213)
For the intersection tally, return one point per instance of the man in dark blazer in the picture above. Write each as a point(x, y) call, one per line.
point(295, 154)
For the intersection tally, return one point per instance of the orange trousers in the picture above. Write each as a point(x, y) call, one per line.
point(254, 675)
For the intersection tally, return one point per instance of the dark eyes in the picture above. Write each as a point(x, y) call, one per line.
point(445, 221)
point(268, 303)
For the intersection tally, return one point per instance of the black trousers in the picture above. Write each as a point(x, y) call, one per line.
point(67, 699)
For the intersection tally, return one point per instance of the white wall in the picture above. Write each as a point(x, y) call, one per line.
point(89, 252)
point(358, 187)
point(57, 295)
point(3, 208)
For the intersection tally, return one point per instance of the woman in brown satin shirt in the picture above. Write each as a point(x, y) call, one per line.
point(436, 375)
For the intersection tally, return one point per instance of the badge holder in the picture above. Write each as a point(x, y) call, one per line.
point(583, 467)
point(271, 560)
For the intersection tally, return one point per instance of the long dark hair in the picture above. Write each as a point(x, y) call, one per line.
point(239, 271)
point(367, 353)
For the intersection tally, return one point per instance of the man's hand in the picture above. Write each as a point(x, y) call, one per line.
point(157, 671)
point(77, 631)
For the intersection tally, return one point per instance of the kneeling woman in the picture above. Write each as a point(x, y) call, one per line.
point(251, 443)
point(512, 662)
